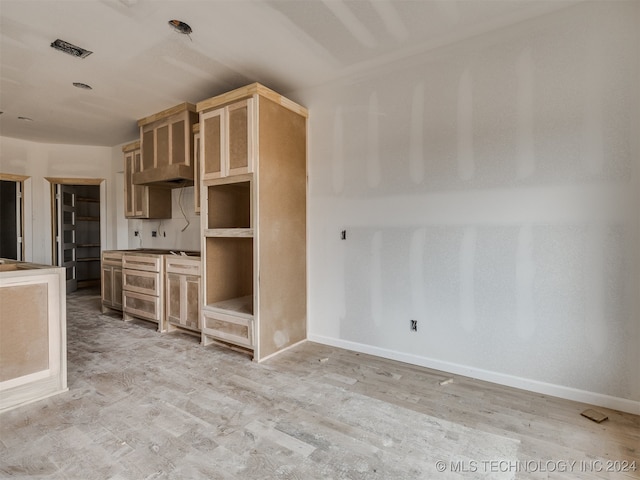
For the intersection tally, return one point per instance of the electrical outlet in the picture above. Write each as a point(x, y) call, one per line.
point(154, 233)
point(343, 235)
point(414, 325)
point(136, 233)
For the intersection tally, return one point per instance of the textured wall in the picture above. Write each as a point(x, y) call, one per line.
point(180, 232)
point(489, 191)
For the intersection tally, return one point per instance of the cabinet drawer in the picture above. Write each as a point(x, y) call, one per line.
point(112, 258)
point(229, 328)
point(148, 263)
point(183, 265)
point(139, 281)
point(143, 306)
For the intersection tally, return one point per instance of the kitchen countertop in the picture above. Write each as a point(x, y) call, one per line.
point(159, 251)
point(9, 265)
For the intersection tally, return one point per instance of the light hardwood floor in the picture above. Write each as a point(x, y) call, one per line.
point(144, 405)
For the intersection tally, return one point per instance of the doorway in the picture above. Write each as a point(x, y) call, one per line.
point(78, 229)
point(11, 216)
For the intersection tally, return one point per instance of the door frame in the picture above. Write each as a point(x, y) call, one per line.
point(19, 179)
point(103, 208)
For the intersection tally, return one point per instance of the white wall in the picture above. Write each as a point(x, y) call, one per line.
point(40, 160)
point(489, 190)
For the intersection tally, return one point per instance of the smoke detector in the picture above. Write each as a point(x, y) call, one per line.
point(71, 49)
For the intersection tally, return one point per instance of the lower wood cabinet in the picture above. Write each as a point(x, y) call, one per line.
point(153, 285)
point(182, 292)
point(142, 287)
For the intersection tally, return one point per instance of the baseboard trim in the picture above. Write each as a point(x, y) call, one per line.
point(568, 393)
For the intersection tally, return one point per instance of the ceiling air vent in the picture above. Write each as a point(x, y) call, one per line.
point(71, 49)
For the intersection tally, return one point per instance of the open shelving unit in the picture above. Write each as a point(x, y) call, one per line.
point(253, 218)
point(229, 262)
point(87, 235)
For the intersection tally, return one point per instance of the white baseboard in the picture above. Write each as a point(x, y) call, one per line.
point(568, 393)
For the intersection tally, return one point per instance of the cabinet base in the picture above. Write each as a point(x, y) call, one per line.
point(207, 340)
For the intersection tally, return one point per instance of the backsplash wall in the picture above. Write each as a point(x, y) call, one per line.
point(180, 232)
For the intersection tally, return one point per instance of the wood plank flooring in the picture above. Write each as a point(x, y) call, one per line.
point(144, 405)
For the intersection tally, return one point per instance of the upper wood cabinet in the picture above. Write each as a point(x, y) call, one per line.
point(227, 140)
point(142, 201)
point(167, 147)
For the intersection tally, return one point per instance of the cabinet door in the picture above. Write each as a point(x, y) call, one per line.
point(192, 301)
point(173, 295)
point(212, 134)
point(134, 195)
point(116, 300)
point(240, 144)
point(107, 285)
point(111, 284)
point(196, 171)
point(227, 140)
point(129, 210)
point(148, 149)
point(183, 300)
point(139, 191)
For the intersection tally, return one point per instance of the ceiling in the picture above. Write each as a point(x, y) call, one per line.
point(140, 65)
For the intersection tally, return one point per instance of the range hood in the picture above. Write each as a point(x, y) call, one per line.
point(169, 176)
point(166, 141)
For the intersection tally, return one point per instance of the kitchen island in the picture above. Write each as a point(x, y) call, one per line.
point(33, 325)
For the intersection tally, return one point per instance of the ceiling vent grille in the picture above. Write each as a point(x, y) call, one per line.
point(71, 49)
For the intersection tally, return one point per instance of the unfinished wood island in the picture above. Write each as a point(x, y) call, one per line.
point(33, 338)
point(253, 214)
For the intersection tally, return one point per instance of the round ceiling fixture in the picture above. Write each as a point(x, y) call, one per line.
point(25, 119)
point(82, 85)
point(180, 27)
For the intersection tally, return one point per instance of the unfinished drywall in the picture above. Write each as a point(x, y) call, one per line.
point(41, 160)
point(180, 232)
point(489, 190)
